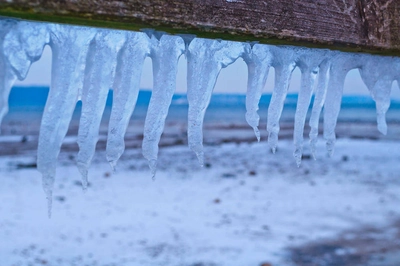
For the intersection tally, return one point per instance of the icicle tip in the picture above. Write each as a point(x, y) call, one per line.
point(257, 133)
point(153, 168)
point(113, 165)
point(84, 175)
point(382, 126)
point(200, 157)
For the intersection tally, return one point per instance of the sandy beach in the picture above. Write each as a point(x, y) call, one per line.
point(247, 206)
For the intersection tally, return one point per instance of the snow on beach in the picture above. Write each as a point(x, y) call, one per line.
point(245, 207)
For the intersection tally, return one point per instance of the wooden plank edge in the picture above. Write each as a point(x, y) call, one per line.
point(136, 24)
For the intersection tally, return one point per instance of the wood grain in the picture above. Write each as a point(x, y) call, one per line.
point(351, 25)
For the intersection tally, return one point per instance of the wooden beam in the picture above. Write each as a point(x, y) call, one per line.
point(352, 25)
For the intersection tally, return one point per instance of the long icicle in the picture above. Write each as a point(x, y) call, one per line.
point(205, 58)
point(284, 62)
point(69, 46)
point(319, 100)
point(23, 46)
point(165, 58)
point(378, 74)
point(126, 89)
point(341, 64)
point(258, 61)
point(99, 74)
point(308, 62)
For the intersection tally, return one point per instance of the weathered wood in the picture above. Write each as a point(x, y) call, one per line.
point(353, 25)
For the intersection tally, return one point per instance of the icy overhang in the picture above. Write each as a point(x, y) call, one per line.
point(87, 62)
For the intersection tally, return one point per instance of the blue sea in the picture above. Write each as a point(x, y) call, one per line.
point(27, 103)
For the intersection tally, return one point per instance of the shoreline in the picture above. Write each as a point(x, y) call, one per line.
point(20, 138)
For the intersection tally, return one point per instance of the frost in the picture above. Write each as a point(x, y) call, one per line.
point(88, 62)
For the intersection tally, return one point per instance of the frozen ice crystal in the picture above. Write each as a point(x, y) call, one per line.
point(88, 62)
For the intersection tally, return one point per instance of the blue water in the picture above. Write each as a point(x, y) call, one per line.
point(30, 102)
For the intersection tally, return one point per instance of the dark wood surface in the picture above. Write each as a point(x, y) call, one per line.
point(350, 25)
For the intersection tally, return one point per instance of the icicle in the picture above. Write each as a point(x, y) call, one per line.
point(86, 62)
point(22, 46)
point(378, 75)
point(308, 62)
point(165, 55)
point(341, 64)
point(126, 88)
point(319, 100)
point(205, 60)
point(258, 61)
point(99, 74)
point(284, 59)
point(69, 47)
point(7, 76)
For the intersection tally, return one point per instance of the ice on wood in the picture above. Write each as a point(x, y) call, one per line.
point(165, 53)
point(87, 62)
point(205, 59)
point(126, 87)
point(309, 63)
point(284, 62)
point(378, 75)
point(99, 75)
point(319, 100)
point(69, 46)
point(258, 59)
point(340, 65)
point(22, 44)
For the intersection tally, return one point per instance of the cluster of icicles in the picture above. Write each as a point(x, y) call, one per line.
point(87, 62)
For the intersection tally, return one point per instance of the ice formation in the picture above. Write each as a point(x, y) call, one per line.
point(7, 75)
point(87, 62)
point(165, 53)
point(205, 59)
point(70, 48)
point(126, 89)
point(100, 68)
